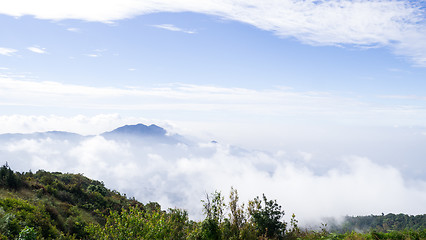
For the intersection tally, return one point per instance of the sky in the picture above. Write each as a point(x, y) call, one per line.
point(322, 91)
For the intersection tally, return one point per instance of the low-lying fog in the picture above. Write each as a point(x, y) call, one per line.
point(314, 183)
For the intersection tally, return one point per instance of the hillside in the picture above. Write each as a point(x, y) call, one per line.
point(54, 204)
point(382, 223)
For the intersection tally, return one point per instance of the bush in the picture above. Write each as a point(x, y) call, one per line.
point(267, 217)
point(8, 179)
point(28, 233)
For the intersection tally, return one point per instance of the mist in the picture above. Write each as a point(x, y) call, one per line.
point(177, 172)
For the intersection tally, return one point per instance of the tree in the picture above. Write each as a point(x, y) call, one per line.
point(214, 207)
point(8, 178)
point(240, 227)
point(267, 217)
point(236, 215)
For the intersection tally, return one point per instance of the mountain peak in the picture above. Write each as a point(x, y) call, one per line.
point(139, 130)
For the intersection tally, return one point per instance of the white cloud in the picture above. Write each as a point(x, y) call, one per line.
point(37, 50)
point(173, 28)
point(227, 104)
point(7, 51)
point(71, 29)
point(179, 175)
point(270, 119)
point(97, 53)
point(399, 25)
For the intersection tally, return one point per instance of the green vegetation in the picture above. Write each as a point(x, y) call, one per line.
point(53, 205)
point(381, 223)
point(46, 205)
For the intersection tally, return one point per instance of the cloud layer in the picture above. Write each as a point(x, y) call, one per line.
point(326, 125)
point(196, 100)
point(180, 174)
point(399, 25)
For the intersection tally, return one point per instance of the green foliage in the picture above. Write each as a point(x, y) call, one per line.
point(8, 179)
point(54, 205)
point(214, 207)
point(22, 213)
point(381, 223)
point(239, 225)
point(8, 223)
point(258, 221)
point(28, 233)
point(237, 215)
point(267, 217)
point(294, 231)
point(210, 230)
point(136, 223)
point(152, 207)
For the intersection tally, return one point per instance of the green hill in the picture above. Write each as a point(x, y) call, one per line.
point(381, 223)
point(55, 205)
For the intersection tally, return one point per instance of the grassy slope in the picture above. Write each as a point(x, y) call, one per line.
point(56, 205)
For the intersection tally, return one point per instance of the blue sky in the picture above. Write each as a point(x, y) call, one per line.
point(158, 49)
point(212, 51)
point(322, 81)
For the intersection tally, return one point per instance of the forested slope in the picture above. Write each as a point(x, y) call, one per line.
point(54, 205)
point(382, 223)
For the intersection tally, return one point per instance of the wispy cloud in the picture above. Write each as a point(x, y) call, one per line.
point(238, 103)
point(7, 51)
point(73, 29)
point(173, 28)
point(93, 55)
point(37, 50)
point(399, 25)
point(404, 97)
point(96, 53)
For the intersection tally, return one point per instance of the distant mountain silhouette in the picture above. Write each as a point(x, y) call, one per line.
point(138, 130)
point(50, 134)
point(141, 132)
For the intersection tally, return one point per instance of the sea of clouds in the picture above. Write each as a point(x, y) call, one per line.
point(180, 173)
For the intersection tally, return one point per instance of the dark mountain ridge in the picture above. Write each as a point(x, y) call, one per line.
point(139, 130)
point(143, 133)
